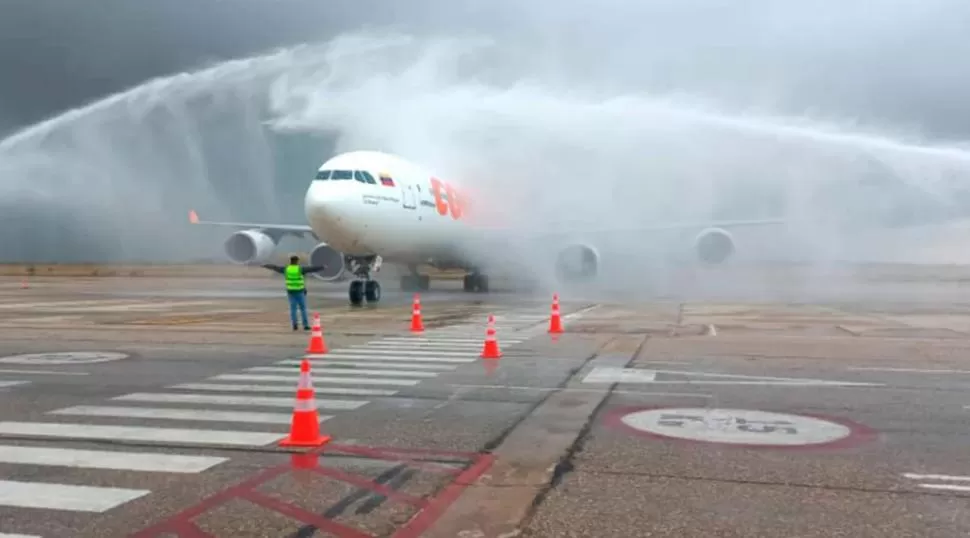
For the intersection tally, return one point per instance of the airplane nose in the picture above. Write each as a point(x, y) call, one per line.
point(327, 202)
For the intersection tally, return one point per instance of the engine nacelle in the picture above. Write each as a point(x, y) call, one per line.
point(250, 247)
point(577, 263)
point(324, 254)
point(714, 245)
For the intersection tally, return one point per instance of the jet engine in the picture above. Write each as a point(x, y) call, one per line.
point(577, 262)
point(714, 245)
point(324, 254)
point(250, 247)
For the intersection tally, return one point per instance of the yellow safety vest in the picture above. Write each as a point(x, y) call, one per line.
point(294, 278)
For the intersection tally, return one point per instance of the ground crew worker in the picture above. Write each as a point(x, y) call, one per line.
point(296, 286)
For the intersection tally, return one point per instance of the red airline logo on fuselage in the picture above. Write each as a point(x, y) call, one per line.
point(447, 199)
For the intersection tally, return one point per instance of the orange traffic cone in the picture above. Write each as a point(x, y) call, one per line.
point(555, 322)
point(305, 426)
point(23, 284)
point(417, 325)
point(317, 345)
point(491, 350)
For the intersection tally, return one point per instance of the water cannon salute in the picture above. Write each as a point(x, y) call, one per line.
point(436, 269)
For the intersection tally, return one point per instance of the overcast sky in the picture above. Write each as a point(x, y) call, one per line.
point(898, 66)
point(895, 62)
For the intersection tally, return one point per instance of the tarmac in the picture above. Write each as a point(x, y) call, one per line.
point(154, 407)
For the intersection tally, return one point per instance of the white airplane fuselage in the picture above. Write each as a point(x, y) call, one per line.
point(369, 207)
point(368, 203)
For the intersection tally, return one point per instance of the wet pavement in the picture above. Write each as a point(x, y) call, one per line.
point(154, 407)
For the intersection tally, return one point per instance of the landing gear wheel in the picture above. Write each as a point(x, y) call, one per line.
point(356, 293)
point(475, 283)
point(372, 290)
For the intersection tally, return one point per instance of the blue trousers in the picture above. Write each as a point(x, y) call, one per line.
point(298, 300)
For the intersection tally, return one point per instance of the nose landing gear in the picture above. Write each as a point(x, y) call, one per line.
point(364, 287)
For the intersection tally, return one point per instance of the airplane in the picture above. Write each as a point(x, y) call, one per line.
point(365, 207)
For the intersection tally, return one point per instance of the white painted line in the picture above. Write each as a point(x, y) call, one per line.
point(460, 346)
point(368, 351)
point(911, 370)
point(936, 477)
point(620, 375)
point(441, 341)
point(177, 414)
point(104, 459)
point(37, 372)
point(64, 496)
point(138, 433)
point(365, 357)
point(288, 388)
point(603, 374)
point(352, 364)
point(948, 487)
point(319, 379)
point(337, 370)
point(557, 389)
point(7, 535)
point(4, 384)
point(256, 401)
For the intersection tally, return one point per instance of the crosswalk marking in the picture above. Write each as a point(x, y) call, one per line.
point(320, 379)
point(217, 387)
point(941, 478)
point(332, 370)
point(353, 365)
point(65, 496)
point(443, 341)
point(444, 346)
point(177, 414)
point(104, 459)
point(268, 401)
point(364, 357)
point(138, 433)
point(362, 373)
point(5, 384)
point(372, 351)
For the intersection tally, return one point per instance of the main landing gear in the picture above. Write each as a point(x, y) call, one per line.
point(474, 282)
point(364, 287)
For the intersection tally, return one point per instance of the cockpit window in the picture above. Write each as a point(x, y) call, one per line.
point(364, 177)
point(342, 174)
point(323, 174)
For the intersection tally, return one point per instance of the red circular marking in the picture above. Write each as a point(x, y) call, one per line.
point(859, 433)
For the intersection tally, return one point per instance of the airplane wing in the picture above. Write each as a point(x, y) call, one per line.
point(533, 233)
point(698, 225)
point(297, 230)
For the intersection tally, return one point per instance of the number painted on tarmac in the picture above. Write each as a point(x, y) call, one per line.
point(65, 357)
point(736, 426)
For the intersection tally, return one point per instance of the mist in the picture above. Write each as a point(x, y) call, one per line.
point(834, 116)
